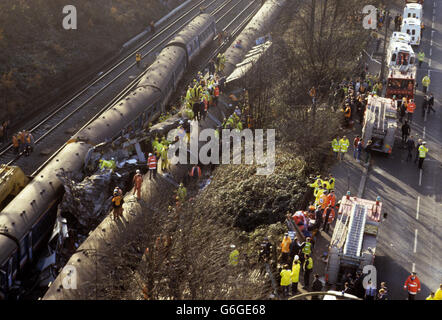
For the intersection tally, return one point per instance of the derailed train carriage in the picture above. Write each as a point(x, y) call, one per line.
point(27, 221)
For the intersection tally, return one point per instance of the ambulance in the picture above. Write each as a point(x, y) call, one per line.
point(412, 27)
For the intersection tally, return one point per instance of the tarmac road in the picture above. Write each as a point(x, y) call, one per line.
point(410, 239)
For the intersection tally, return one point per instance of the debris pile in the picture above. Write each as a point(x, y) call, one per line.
point(87, 199)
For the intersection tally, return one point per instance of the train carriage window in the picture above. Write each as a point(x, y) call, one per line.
point(413, 32)
point(393, 57)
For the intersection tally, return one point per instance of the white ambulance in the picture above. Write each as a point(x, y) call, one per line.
point(412, 27)
point(413, 10)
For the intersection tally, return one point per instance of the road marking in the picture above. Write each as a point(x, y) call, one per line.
point(413, 268)
point(431, 52)
point(415, 240)
point(420, 177)
point(417, 209)
point(423, 133)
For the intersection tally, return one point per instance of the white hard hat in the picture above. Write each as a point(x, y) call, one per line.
point(150, 154)
point(424, 142)
point(138, 171)
point(296, 257)
point(232, 246)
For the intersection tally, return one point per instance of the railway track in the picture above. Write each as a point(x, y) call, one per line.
point(111, 86)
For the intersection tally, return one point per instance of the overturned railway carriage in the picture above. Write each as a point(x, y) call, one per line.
point(27, 221)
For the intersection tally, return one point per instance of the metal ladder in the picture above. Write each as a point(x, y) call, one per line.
point(355, 236)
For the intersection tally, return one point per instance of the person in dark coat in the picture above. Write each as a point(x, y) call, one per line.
point(316, 286)
point(405, 131)
point(424, 105)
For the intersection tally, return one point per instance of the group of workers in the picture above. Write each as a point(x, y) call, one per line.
point(296, 255)
point(23, 142)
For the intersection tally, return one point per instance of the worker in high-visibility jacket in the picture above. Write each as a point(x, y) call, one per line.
point(425, 83)
point(234, 256)
point(319, 192)
point(412, 285)
point(164, 161)
point(138, 182)
point(152, 165)
point(138, 59)
point(331, 199)
point(336, 147)
point(181, 193)
point(331, 182)
point(195, 172)
point(422, 153)
point(117, 204)
point(421, 57)
point(155, 146)
point(107, 164)
point(285, 248)
point(285, 274)
point(344, 144)
point(308, 268)
point(438, 294)
point(307, 247)
point(296, 268)
point(316, 185)
point(323, 199)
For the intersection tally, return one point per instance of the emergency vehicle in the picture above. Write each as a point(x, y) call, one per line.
point(412, 26)
point(401, 83)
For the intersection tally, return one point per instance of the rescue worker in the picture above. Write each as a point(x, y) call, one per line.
point(15, 143)
point(234, 256)
point(411, 106)
point(431, 296)
point(164, 161)
point(107, 164)
point(431, 103)
point(220, 62)
point(296, 268)
point(331, 199)
point(29, 141)
point(412, 285)
point(419, 143)
point(307, 246)
point(328, 216)
point(308, 268)
point(21, 139)
point(331, 182)
point(152, 164)
point(347, 115)
point(323, 200)
point(152, 27)
point(285, 280)
point(156, 147)
point(285, 248)
point(425, 83)
point(118, 190)
point(181, 193)
point(138, 59)
point(344, 144)
point(421, 57)
point(438, 294)
point(368, 148)
point(266, 249)
point(137, 182)
point(195, 172)
point(117, 203)
point(422, 154)
point(336, 147)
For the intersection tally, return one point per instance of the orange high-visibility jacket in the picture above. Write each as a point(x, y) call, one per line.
point(152, 162)
point(331, 215)
point(413, 286)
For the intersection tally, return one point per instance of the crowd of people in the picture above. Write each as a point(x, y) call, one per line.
point(23, 142)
